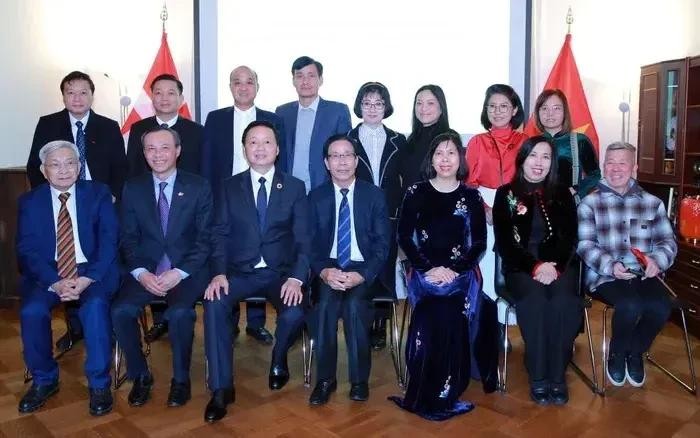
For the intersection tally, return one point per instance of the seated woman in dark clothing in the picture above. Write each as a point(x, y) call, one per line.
point(535, 224)
point(447, 220)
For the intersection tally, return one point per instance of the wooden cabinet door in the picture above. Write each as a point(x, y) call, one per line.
point(648, 123)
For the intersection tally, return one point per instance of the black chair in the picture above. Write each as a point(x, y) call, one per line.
point(507, 298)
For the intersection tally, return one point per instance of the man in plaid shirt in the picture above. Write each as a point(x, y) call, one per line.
point(613, 219)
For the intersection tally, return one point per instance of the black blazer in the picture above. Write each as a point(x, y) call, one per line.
point(217, 149)
point(188, 239)
point(191, 136)
point(104, 148)
point(389, 172)
point(513, 230)
point(369, 218)
point(238, 242)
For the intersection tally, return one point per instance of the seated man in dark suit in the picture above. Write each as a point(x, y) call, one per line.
point(223, 156)
point(67, 251)
point(309, 122)
point(165, 242)
point(260, 247)
point(167, 99)
point(351, 233)
point(101, 148)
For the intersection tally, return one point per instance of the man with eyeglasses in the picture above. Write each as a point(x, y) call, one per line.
point(350, 244)
point(309, 122)
point(67, 236)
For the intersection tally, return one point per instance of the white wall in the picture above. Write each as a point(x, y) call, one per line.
point(42, 40)
point(611, 40)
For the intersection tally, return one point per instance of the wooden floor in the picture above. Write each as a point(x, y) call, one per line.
point(660, 409)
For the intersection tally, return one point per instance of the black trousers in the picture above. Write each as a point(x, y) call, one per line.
point(255, 314)
point(549, 317)
point(354, 306)
point(642, 307)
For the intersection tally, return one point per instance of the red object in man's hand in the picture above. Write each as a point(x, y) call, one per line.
point(641, 258)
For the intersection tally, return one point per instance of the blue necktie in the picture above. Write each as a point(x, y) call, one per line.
point(164, 211)
point(262, 203)
point(344, 238)
point(80, 142)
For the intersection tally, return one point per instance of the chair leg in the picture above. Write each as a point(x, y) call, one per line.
point(503, 375)
point(119, 378)
point(144, 327)
point(692, 386)
point(603, 386)
point(592, 383)
point(395, 346)
point(69, 334)
point(407, 311)
point(307, 351)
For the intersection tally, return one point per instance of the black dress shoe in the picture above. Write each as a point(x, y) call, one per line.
point(322, 392)
point(101, 401)
point(216, 408)
point(180, 393)
point(261, 335)
point(559, 394)
point(279, 376)
point(540, 394)
point(359, 391)
point(377, 337)
point(36, 397)
point(158, 330)
point(140, 391)
point(66, 342)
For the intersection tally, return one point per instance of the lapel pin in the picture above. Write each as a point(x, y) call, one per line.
point(180, 194)
point(279, 185)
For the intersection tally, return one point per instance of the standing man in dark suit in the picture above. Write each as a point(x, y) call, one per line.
point(260, 246)
point(350, 246)
point(167, 100)
point(310, 121)
point(165, 242)
point(223, 156)
point(101, 148)
point(67, 251)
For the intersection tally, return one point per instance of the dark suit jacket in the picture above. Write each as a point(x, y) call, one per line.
point(389, 175)
point(512, 230)
point(369, 218)
point(187, 241)
point(238, 242)
point(217, 150)
point(331, 118)
point(106, 158)
point(191, 136)
point(97, 230)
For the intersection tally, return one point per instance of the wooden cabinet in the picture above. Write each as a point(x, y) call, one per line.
point(13, 182)
point(669, 158)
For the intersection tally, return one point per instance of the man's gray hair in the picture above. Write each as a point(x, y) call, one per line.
point(621, 145)
point(55, 145)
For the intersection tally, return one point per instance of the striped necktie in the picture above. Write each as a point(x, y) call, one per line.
point(80, 142)
point(344, 237)
point(65, 246)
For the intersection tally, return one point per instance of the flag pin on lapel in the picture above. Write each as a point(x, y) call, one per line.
point(279, 186)
point(180, 194)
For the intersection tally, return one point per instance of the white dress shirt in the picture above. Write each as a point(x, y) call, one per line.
point(70, 205)
point(170, 122)
point(74, 129)
point(355, 254)
point(241, 120)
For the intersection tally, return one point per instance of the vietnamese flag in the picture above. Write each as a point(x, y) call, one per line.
point(564, 76)
point(163, 64)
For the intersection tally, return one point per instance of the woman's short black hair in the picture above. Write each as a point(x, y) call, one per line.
point(450, 135)
point(337, 137)
point(550, 181)
point(443, 120)
point(514, 99)
point(373, 87)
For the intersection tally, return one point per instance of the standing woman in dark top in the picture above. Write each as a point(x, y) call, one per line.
point(429, 120)
point(447, 218)
point(577, 162)
point(535, 224)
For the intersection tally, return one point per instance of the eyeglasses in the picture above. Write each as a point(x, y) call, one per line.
point(55, 165)
point(502, 108)
point(373, 105)
point(553, 109)
point(338, 157)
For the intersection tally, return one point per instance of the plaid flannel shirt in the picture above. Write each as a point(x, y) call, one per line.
point(610, 224)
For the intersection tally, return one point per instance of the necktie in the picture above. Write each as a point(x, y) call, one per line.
point(80, 142)
point(65, 246)
point(164, 211)
point(164, 125)
point(261, 203)
point(344, 238)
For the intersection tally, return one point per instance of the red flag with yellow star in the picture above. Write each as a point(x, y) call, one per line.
point(564, 76)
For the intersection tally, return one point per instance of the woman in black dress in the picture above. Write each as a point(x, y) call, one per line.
point(442, 230)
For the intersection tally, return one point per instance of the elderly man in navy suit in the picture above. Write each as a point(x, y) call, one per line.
point(67, 251)
point(223, 156)
point(309, 122)
point(260, 247)
point(165, 243)
point(351, 235)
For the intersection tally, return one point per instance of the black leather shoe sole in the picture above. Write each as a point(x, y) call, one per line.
point(278, 382)
point(321, 396)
